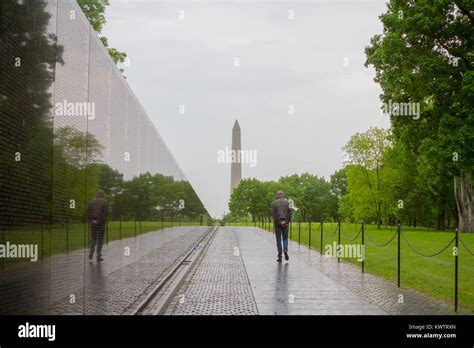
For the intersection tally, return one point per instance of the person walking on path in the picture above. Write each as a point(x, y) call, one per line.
point(281, 214)
point(97, 215)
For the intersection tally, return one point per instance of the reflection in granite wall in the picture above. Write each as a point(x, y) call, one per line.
point(71, 125)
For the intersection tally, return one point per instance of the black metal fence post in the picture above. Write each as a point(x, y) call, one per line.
point(67, 237)
point(88, 234)
point(338, 241)
point(3, 242)
point(398, 231)
point(50, 250)
point(456, 264)
point(42, 242)
point(120, 228)
point(87, 227)
point(309, 227)
point(363, 247)
point(299, 231)
point(135, 227)
point(321, 244)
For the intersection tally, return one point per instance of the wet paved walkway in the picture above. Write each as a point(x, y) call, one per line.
point(309, 284)
point(71, 284)
point(219, 284)
point(293, 287)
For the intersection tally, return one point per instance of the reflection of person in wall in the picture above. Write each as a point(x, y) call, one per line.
point(97, 215)
point(281, 214)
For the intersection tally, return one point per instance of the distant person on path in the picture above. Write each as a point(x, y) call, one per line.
point(97, 215)
point(281, 214)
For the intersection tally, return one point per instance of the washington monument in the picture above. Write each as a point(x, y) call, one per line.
point(236, 166)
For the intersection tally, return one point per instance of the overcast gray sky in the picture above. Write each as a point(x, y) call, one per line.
point(190, 61)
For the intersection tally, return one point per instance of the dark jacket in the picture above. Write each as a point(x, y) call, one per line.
point(97, 210)
point(281, 210)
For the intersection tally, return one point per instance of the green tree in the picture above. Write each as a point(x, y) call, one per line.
point(250, 198)
point(310, 194)
point(27, 62)
point(94, 10)
point(78, 149)
point(425, 55)
point(367, 182)
point(76, 172)
point(338, 188)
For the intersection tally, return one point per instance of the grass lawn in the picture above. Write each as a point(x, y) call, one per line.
point(430, 275)
point(61, 239)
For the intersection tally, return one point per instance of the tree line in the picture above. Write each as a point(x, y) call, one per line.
point(78, 173)
point(377, 184)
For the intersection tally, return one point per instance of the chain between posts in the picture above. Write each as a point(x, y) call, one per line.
point(466, 247)
point(352, 239)
point(384, 244)
point(426, 255)
point(335, 231)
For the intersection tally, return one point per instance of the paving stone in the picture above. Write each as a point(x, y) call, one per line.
point(218, 285)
